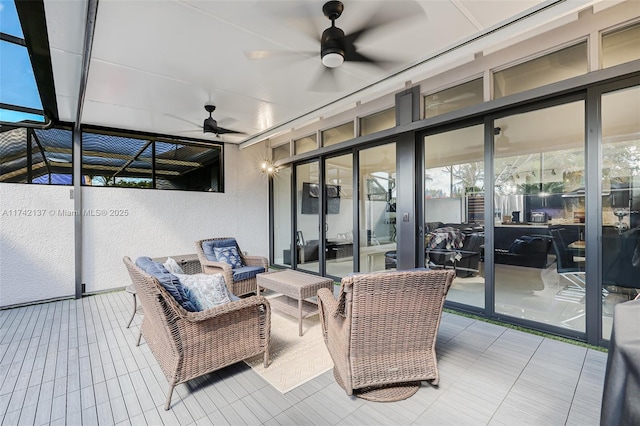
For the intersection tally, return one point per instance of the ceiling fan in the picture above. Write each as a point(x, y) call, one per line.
point(336, 47)
point(502, 142)
point(210, 125)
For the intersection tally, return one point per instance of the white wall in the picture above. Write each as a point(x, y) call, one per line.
point(37, 256)
point(36, 243)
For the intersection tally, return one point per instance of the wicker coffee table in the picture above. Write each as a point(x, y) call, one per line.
point(295, 287)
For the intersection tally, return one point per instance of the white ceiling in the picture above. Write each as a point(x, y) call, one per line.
point(154, 64)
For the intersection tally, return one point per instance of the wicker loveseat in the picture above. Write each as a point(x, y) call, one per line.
point(240, 281)
point(381, 331)
point(190, 344)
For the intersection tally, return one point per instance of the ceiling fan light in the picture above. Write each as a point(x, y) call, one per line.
point(502, 143)
point(333, 59)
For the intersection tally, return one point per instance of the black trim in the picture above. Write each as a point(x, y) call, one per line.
point(34, 27)
point(21, 109)
point(111, 131)
point(12, 39)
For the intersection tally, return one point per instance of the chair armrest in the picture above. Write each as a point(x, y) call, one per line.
point(213, 267)
point(227, 308)
point(336, 329)
point(330, 304)
point(256, 261)
point(223, 266)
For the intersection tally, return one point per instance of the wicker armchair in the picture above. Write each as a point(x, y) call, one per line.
point(381, 331)
point(236, 286)
point(190, 344)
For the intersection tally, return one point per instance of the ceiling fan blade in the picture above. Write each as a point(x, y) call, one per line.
point(325, 81)
point(222, 131)
point(278, 54)
point(301, 16)
point(351, 55)
point(183, 119)
point(388, 14)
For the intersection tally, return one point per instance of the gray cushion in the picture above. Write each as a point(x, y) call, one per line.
point(208, 246)
point(167, 280)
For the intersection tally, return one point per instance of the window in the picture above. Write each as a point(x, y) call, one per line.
point(280, 152)
point(378, 121)
point(337, 134)
point(36, 156)
point(306, 144)
point(19, 97)
point(560, 65)
point(453, 99)
point(621, 46)
point(109, 160)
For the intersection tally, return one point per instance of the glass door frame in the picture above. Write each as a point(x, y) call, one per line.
point(489, 208)
point(420, 153)
point(593, 210)
point(324, 209)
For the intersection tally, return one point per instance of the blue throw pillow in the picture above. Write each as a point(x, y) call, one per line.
point(209, 246)
point(170, 282)
point(229, 255)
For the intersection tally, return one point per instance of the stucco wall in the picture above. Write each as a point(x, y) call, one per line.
point(36, 243)
point(39, 254)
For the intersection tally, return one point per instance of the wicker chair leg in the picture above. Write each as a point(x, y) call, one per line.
point(135, 308)
point(139, 337)
point(266, 359)
point(168, 404)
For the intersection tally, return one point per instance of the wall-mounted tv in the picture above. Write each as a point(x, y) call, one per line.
point(311, 198)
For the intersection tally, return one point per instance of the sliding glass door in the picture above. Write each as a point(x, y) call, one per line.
point(308, 217)
point(338, 177)
point(282, 217)
point(539, 192)
point(620, 161)
point(454, 210)
point(377, 208)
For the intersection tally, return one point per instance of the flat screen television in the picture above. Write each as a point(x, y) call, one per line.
point(311, 198)
point(619, 194)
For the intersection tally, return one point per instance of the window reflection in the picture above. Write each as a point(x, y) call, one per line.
point(377, 210)
point(282, 217)
point(454, 210)
point(539, 217)
point(620, 200)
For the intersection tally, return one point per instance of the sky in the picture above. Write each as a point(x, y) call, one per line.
point(17, 81)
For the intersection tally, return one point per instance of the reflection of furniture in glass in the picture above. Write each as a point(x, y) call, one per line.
point(309, 251)
point(190, 344)
point(621, 260)
point(445, 252)
point(382, 329)
point(338, 249)
point(524, 246)
point(568, 269)
point(373, 256)
point(390, 259)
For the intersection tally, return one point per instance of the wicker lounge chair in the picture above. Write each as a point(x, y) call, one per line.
point(239, 282)
point(381, 331)
point(190, 344)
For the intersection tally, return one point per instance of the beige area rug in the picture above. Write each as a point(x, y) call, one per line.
point(294, 359)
